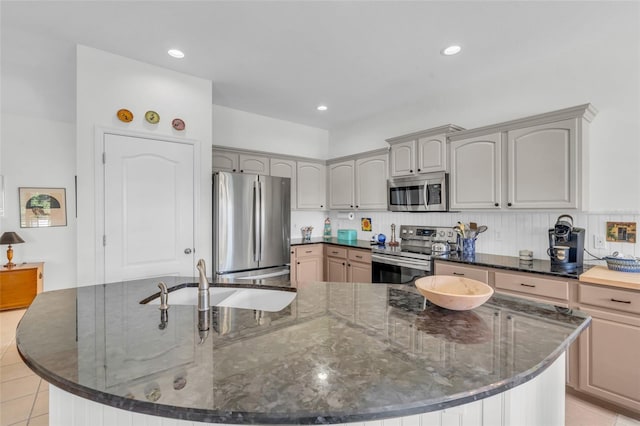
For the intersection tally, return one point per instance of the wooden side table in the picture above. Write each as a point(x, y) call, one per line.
point(20, 284)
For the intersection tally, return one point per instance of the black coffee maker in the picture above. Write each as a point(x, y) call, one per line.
point(566, 244)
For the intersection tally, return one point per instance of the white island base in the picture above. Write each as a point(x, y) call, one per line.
point(540, 401)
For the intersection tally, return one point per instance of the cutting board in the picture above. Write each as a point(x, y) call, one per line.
point(603, 275)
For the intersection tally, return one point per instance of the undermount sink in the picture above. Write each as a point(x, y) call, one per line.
point(244, 298)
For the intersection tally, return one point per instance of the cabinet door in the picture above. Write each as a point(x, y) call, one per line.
point(309, 269)
point(341, 185)
point(254, 164)
point(432, 154)
point(451, 268)
point(336, 270)
point(359, 272)
point(312, 185)
point(285, 168)
point(542, 171)
point(18, 288)
point(609, 354)
point(476, 173)
point(224, 161)
point(403, 158)
point(371, 183)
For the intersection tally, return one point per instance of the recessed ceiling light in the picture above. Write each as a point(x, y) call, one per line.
point(451, 50)
point(176, 53)
point(322, 108)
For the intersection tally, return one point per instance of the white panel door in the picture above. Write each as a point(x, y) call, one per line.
point(149, 208)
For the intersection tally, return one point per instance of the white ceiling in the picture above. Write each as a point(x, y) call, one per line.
point(282, 59)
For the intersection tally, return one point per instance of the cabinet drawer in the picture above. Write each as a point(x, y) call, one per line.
point(360, 256)
point(462, 271)
point(335, 251)
point(308, 251)
point(612, 298)
point(533, 285)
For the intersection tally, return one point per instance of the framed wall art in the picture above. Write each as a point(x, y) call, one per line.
point(43, 207)
point(621, 232)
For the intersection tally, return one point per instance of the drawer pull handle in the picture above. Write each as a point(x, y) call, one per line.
point(621, 301)
point(458, 273)
point(308, 251)
point(334, 252)
point(528, 285)
point(359, 257)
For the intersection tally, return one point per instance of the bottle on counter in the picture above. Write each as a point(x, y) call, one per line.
point(327, 228)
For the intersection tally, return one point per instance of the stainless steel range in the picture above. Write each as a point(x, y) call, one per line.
point(410, 260)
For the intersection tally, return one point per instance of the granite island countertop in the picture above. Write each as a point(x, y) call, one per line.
point(340, 352)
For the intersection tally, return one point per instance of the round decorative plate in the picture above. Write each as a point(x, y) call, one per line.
point(178, 124)
point(124, 115)
point(152, 117)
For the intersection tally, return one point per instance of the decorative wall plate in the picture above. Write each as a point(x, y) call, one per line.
point(152, 117)
point(178, 124)
point(124, 115)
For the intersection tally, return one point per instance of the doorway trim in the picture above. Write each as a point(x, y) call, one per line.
point(99, 188)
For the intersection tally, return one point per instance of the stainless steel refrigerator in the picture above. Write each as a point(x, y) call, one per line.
point(251, 225)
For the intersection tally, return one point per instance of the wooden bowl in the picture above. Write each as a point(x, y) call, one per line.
point(456, 293)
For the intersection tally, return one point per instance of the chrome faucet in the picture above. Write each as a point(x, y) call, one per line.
point(203, 287)
point(164, 295)
point(203, 302)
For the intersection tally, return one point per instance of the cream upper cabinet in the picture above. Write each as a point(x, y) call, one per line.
point(225, 161)
point(402, 158)
point(475, 179)
point(249, 163)
point(542, 166)
point(285, 168)
point(230, 161)
point(420, 152)
point(531, 163)
point(341, 185)
point(359, 184)
point(432, 154)
point(312, 185)
point(371, 182)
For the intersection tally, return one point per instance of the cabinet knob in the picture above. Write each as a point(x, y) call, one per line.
point(241, 171)
point(342, 263)
point(497, 205)
point(508, 204)
point(410, 171)
point(351, 205)
point(298, 263)
point(357, 206)
point(233, 170)
point(418, 169)
point(321, 206)
point(292, 252)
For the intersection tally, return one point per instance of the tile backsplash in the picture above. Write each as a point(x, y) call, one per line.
point(507, 234)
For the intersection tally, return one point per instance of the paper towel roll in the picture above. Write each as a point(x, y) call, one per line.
point(346, 215)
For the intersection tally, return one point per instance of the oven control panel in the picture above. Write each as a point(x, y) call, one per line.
point(428, 233)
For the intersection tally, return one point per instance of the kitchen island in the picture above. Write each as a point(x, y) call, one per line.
point(339, 353)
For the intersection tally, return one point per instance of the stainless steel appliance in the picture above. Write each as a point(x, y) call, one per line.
point(566, 244)
point(251, 225)
point(410, 260)
point(425, 193)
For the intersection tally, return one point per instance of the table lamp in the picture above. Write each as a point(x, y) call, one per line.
point(10, 238)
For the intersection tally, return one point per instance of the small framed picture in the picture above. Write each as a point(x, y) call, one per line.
point(43, 207)
point(622, 232)
point(365, 223)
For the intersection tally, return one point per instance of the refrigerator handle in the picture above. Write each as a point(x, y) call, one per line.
point(257, 231)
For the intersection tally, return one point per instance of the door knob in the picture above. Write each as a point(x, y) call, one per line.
point(187, 251)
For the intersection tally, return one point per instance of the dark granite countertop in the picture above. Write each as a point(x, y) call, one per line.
point(340, 352)
point(536, 266)
point(333, 240)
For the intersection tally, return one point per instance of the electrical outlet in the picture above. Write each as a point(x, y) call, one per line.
point(599, 242)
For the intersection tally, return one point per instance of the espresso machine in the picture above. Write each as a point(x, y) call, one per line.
point(566, 244)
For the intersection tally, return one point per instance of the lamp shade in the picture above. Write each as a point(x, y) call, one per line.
point(10, 238)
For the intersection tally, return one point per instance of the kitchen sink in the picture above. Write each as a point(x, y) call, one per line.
point(231, 297)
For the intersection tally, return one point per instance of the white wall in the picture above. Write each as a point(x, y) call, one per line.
point(40, 153)
point(239, 129)
point(106, 83)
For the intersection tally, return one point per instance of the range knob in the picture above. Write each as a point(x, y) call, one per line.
point(441, 233)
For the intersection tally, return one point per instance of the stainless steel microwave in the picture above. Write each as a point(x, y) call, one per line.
point(424, 193)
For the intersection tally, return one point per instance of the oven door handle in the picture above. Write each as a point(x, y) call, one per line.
point(392, 261)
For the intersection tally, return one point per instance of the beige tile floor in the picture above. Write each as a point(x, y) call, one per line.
point(24, 397)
